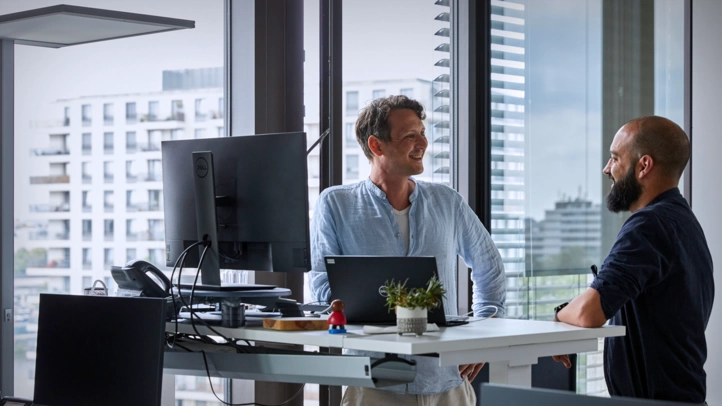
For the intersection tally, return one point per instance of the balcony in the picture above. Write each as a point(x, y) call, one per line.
point(87, 178)
point(87, 236)
point(49, 151)
point(143, 206)
point(44, 263)
point(44, 180)
point(108, 178)
point(145, 236)
point(154, 177)
point(49, 208)
point(108, 208)
point(87, 265)
point(149, 147)
point(87, 149)
point(87, 208)
point(108, 236)
point(149, 118)
point(131, 148)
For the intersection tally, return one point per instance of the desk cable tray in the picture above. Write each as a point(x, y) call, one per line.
point(282, 365)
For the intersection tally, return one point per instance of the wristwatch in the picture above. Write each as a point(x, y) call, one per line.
point(556, 310)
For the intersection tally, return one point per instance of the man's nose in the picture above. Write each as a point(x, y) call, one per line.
point(606, 169)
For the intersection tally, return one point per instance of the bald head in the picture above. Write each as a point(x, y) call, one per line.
point(661, 139)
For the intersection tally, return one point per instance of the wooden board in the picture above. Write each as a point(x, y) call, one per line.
point(296, 323)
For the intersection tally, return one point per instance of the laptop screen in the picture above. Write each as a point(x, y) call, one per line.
point(99, 350)
point(356, 281)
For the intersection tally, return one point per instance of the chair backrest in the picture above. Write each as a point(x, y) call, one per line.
point(504, 395)
point(99, 350)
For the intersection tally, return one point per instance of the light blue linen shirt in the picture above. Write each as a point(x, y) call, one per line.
point(358, 220)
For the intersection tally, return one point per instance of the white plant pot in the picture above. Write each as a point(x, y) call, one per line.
point(411, 320)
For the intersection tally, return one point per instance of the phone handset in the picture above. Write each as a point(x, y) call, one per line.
point(142, 276)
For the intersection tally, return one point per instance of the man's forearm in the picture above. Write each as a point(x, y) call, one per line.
point(584, 311)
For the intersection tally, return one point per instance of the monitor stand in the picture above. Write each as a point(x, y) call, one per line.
point(232, 302)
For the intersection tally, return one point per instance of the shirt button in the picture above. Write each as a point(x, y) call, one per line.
point(398, 234)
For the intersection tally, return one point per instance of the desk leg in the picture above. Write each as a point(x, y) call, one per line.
point(167, 396)
point(501, 372)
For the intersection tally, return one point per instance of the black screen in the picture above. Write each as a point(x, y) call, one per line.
point(261, 185)
point(99, 350)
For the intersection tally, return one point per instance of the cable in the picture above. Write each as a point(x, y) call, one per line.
point(208, 373)
point(180, 260)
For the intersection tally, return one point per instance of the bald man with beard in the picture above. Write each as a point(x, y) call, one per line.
point(658, 278)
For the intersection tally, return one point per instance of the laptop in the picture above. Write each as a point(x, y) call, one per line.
point(99, 350)
point(355, 279)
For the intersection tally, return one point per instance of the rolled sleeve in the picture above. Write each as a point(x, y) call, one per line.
point(487, 267)
point(636, 260)
point(323, 242)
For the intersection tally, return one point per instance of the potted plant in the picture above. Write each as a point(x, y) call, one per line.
point(412, 305)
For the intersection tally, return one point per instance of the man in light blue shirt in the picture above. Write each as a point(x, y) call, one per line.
point(391, 213)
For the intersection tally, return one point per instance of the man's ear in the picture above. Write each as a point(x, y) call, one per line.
point(375, 145)
point(645, 166)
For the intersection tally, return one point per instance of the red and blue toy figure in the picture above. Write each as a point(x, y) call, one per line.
point(337, 321)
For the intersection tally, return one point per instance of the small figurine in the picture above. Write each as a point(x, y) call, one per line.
point(337, 321)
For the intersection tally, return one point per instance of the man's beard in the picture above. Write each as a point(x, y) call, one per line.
point(624, 193)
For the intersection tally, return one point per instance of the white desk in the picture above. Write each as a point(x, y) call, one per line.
point(510, 346)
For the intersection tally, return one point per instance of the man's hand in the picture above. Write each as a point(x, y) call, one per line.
point(564, 359)
point(470, 370)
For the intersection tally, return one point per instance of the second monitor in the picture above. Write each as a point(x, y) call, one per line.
point(261, 188)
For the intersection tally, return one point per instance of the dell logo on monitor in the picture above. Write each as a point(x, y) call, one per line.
point(201, 167)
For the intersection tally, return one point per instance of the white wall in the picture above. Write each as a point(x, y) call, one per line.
point(707, 164)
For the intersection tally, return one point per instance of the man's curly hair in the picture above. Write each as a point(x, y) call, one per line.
point(374, 119)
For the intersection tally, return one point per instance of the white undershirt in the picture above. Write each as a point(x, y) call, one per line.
point(402, 217)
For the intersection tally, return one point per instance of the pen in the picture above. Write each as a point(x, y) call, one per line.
point(594, 270)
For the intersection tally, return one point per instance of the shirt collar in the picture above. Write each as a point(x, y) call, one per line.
point(371, 187)
point(669, 194)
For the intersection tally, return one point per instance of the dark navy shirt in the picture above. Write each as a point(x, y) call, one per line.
point(657, 281)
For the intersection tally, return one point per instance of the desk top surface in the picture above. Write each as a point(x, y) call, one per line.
point(491, 333)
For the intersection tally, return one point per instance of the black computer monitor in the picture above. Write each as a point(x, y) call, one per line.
point(99, 350)
point(261, 205)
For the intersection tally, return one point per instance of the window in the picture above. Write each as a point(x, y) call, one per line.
point(131, 113)
point(201, 110)
point(131, 85)
point(408, 92)
point(87, 146)
point(87, 119)
point(351, 103)
point(87, 201)
point(200, 133)
point(87, 258)
point(221, 108)
point(108, 145)
point(108, 257)
point(153, 107)
point(87, 229)
point(108, 172)
point(108, 202)
point(130, 254)
point(108, 113)
point(352, 169)
point(87, 173)
point(350, 133)
point(548, 214)
point(176, 110)
point(108, 229)
point(131, 143)
point(419, 60)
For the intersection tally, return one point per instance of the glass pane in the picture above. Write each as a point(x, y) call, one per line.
point(555, 110)
point(69, 108)
point(414, 60)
